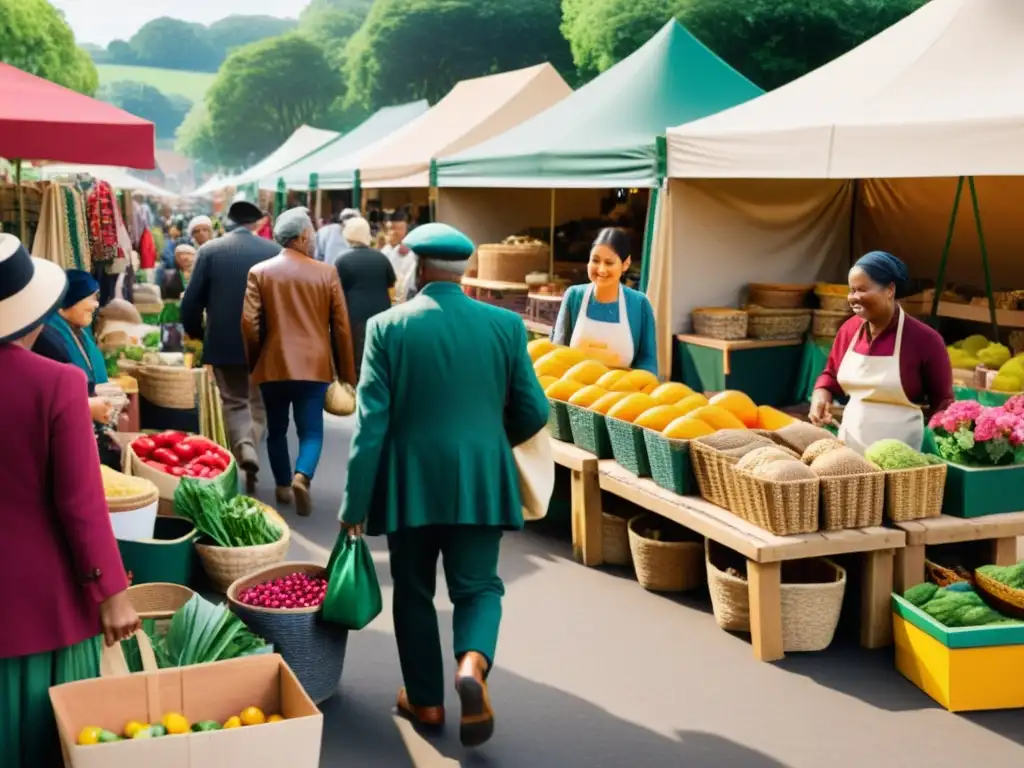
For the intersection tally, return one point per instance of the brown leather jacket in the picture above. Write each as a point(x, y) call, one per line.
point(294, 310)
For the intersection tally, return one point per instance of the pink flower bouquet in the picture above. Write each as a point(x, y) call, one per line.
point(969, 433)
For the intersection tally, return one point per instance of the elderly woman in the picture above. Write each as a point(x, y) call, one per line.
point(296, 332)
point(886, 362)
point(57, 544)
point(200, 230)
point(367, 278)
point(176, 280)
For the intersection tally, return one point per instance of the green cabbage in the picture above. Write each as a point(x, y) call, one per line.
point(894, 454)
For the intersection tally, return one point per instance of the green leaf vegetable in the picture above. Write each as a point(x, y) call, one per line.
point(151, 340)
point(239, 522)
point(920, 594)
point(895, 454)
point(957, 605)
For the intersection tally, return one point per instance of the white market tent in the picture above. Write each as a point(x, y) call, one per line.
point(864, 152)
point(115, 176)
point(211, 186)
point(473, 111)
point(302, 142)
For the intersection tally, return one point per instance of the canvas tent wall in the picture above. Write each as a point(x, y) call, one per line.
point(473, 111)
point(862, 153)
point(303, 141)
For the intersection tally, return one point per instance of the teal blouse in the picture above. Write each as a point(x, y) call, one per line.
point(639, 312)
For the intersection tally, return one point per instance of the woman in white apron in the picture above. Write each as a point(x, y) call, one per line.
point(609, 321)
point(886, 362)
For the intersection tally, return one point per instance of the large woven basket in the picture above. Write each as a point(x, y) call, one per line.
point(158, 601)
point(1007, 600)
point(589, 431)
point(670, 565)
point(558, 421)
point(826, 323)
point(780, 507)
point(914, 494)
point(942, 576)
point(713, 472)
point(852, 501)
point(833, 297)
point(169, 386)
point(628, 446)
point(778, 295)
point(511, 263)
point(720, 323)
point(777, 324)
point(670, 463)
point(812, 598)
point(313, 648)
point(615, 540)
point(226, 564)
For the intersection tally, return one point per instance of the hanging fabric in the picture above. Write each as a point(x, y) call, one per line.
point(79, 226)
point(103, 220)
point(52, 241)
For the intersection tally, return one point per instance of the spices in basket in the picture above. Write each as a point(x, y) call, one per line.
point(297, 590)
point(119, 486)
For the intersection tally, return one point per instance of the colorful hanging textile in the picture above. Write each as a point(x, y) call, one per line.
point(52, 241)
point(80, 230)
point(103, 223)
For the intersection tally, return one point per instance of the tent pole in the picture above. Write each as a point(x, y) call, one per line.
point(21, 203)
point(940, 281)
point(984, 259)
point(653, 201)
point(551, 240)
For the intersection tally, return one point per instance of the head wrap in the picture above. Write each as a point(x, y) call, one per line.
point(356, 231)
point(885, 269)
point(199, 221)
point(81, 285)
point(349, 213)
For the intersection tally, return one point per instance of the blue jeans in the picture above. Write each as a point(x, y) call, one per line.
point(306, 399)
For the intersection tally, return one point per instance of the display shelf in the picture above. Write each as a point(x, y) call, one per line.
point(738, 344)
point(494, 285)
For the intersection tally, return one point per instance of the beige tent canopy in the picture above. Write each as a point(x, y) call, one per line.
point(473, 111)
point(863, 153)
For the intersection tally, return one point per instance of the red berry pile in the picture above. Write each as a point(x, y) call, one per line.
point(299, 590)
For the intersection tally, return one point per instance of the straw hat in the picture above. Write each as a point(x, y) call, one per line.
point(30, 289)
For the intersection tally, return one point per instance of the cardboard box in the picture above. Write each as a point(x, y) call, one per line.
point(203, 692)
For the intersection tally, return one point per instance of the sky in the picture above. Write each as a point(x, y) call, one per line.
point(100, 21)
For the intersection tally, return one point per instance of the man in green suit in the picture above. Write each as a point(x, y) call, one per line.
point(446, 390)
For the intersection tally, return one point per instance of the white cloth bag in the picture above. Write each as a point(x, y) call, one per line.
point(536, 466)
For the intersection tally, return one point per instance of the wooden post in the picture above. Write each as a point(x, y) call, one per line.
point(1004, 551)
point(909, 567)
point(587, 526)
point(876, 598)
point(23, 230)
point(765, 591)
point(551, 240)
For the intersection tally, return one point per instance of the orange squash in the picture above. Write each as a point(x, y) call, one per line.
point(687, 428)
point(717, 417)
point(691, 403)
point(739, 405)
point(563, 389)
point(605, 402)
point(551, 365)
point(546, 381)
point(587, 396)
point(632, 406)
point(671, 392)
point(658, 417)
point(772, 418)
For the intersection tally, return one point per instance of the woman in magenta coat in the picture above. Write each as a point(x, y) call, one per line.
point(66, 585)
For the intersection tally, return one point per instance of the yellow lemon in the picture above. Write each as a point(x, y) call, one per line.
point(132, 727)
point(253, 716)
point(275, 719)
point(89, 735)
point(233, 722)
point(175, 723)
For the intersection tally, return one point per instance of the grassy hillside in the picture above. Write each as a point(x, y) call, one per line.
point(192, 85)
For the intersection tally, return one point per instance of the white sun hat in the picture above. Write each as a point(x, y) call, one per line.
point(30, 289)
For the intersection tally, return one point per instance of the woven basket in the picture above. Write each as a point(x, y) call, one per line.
point(833, 297)
point(812, 598)
point(827, 323)
point(589, 431)
point(852, 501)
point(615, 540)
point(169, 386)
point(131, 503)
point(777, 324)
point(778, 295)
point(780, 507)
point(158, 601)
point(942, 576)
point(313, 648)
point(670, 463)
point(665, 566)
point(558, 421)
point(511, 263)
point(999, 597)
point(226, 564)
point(914, 494)
point(720, 323)
point(713, 473)
point(628, 446)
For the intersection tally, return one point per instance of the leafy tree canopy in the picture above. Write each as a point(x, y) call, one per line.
point(34, 37)
point(235, 31)
point(174, 44)
point(149, 103)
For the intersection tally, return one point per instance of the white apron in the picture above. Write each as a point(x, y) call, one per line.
point(878, 406)
point(609, 343)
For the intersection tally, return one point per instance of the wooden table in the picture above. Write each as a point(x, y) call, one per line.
point(587, 531)
point(1000, 532)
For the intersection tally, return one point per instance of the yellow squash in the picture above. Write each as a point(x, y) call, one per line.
point(587, 396)
point(631, 407)
point(671, 392)
point(739, 405)
point(563, 389)
point(609, 379)
point(588, 372)
point(691, 403)
point(717, 417)
point(687, 428)
point(551, 365)
point(540, 347)
point(658, 417)
point(604, 403)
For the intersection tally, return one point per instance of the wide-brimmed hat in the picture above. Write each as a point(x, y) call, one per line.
point(242, 213)
point(30, 289)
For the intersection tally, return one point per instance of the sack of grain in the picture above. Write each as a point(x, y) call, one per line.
point(760, 457)
point(799, 435)
point(841, 462)
point(784, 471)
point(820, 448)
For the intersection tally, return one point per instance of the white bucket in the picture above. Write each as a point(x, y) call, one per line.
point(135, 524)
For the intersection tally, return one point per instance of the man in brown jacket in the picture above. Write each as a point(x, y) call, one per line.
point(296, 331)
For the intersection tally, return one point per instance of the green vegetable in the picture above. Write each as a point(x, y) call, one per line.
point(1010, 575)
point(239, 522)
point(170, 314)
point(920, 594)
point(895, 454)
point(157, 730)
point(206, 725)
point(133, 353)
point(994, 355)
point(958, 608)
point(106, 737)
point(151, 340)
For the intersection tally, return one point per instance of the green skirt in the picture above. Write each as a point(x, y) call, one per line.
point(28, 731)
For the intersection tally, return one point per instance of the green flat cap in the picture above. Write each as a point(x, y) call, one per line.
point(440, 242)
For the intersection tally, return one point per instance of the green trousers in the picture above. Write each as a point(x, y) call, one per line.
point(470, 557)
point(28, 733)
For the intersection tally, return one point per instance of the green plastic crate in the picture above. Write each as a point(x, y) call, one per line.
point(979, 491)
point(590, 432)
point(670, 463)
point(628, 446)
point(558, 421)
point(169, 557)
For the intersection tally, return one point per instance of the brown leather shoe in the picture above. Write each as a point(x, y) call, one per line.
point(283, 494)
point(429, 718)
point(477, 723)
point(303, 499)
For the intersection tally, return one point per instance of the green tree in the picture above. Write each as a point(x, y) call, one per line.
point(414, 49)
point(149, 103)
point(262, 94)
point(174, 44)
point(120, 52)
point(194, 137)
point(603, 32)
point(235, 31)
point(34, 37)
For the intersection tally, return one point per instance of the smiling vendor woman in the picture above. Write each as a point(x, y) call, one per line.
point(608, 320)
point(885, 361)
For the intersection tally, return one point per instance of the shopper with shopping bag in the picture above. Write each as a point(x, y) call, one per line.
point(446, 392)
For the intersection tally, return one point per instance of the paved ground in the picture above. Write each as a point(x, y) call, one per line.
point(594, 671)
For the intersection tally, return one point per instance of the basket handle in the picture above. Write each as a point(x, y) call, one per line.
point(114, 664)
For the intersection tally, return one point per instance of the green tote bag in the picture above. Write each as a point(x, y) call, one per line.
point(353, 596)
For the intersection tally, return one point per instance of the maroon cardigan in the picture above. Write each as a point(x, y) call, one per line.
point(57, 548)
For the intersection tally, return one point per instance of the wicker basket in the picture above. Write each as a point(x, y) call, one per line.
point(713, 473)
point(999, 597)
point(169, 386)
point(670, 463)
point(812, 598)
point(558, 421)
point(628, 446)
point(914, 494)
point(589, 431)
point(780, 507)
point(827, 323)
point(665, 566)
point(777, 324)
point(833, 297)
point(942, 576)
point(852, 501)
point(226, 564)
point(720, 323)
point(778, 295)
point(131, 503)
point(511, 263)
point(313, 648)
point(158, 601)
point(615, 540)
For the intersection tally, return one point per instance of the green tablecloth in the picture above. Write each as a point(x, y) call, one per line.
point(814, 356)
point(984, 396)
point(768, 375)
